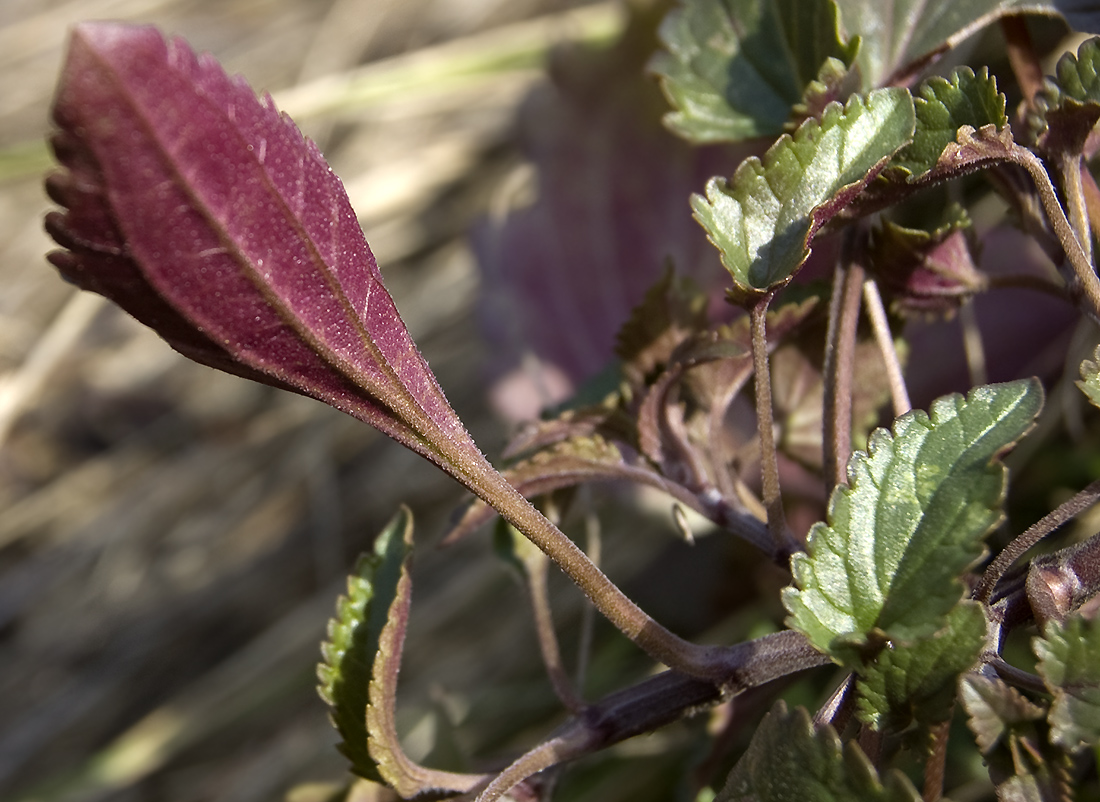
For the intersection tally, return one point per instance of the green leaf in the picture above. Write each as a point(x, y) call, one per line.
point(1069, 663)
point(901, 36)
point(942, 107)
point(835, 83)
point(916, 682)
point(995, 710)
point(886, 567)
point(788, 761)
point(734, 68)
point(1069, 105)
point(1090, 377)
point(763, 219)
point(353, 639)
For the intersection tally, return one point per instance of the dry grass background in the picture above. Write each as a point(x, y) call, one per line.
point(172, 539)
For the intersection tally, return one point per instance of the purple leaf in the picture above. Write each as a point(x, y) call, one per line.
point(204, 213)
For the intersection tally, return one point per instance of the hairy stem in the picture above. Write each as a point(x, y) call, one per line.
point(1032, 535)
point(1069, 168)
point(840, 347)
point(885, 339)
point(935, 764)
point(765, 424)
point(654, 639)
point(1087, 284)
point(660, 700)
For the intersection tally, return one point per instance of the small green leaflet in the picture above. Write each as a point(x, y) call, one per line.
point(1069, 105)
point(788, 761)
point(763, 219)
point(916, 682)
point(899, 36)
point(945, 105)
point(353, 639)
point(1069, 663)
point(1090, 377)
point(734, 68)
point(996, 711)
point(886, 566)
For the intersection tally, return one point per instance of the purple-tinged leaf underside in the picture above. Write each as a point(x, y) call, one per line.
point(361, 659)
point(926, 272)
point(388, 626)
point(362, 656)
point(205, 214)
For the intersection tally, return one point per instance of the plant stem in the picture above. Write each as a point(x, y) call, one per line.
point(840, 345)
point(936, 763)
point(765, 424)
point(659, 700)
point(536, 564)
point(1069, 167)
point(654, 639)
point(885, 339)
point(1087, 283)
point(1032, 535)
point(972, 344)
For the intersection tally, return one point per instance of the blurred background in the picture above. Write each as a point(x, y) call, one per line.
point(172, 539)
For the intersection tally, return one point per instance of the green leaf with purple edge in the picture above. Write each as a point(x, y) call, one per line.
point(734, 69)
point(206, 215)
point(1068, 107)
point(902, 37)
point(912, 519)
point(763, 219)
point(1069, 663)
point(789, 760)
point(943, 106)
point(354, 638)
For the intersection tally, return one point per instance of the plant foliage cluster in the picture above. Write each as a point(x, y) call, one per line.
point(879, 176)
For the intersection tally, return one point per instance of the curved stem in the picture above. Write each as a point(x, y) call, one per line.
point(1087, 282)
point(660, 700)
point(1032, 535)
point(654, 639)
